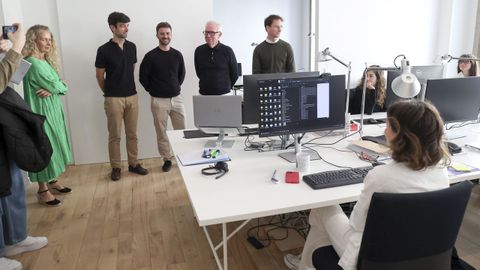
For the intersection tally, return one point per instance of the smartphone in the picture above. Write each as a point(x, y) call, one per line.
point(292, 177)
point(7, 29)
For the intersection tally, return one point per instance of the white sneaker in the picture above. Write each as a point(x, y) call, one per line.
point(292, 261)
point(29, 244)
point(8, 264)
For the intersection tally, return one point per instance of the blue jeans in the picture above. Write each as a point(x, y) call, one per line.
point(13, 212)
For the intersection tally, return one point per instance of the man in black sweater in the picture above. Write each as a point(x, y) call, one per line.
point(215, 63)
point(162, 71)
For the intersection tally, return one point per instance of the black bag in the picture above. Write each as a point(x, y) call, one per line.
point(25, 140)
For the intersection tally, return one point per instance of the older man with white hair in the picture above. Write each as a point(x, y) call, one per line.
point(215, 63)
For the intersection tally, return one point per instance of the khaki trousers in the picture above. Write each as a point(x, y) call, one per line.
point(118, 109)
point(161, 109)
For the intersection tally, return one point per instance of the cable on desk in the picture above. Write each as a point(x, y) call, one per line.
point(331, 147)
point(335, 142)
point(328, 162)
point(460, 124)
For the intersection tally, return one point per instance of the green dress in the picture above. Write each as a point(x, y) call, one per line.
point(41, 75)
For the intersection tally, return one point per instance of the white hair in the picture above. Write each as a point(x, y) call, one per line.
point(216, 24)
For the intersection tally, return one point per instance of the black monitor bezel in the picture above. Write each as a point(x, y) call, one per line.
point(458, 95)
point(250, 113)
point(337, 93)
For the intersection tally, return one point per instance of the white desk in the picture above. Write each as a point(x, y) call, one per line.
point(246, 191)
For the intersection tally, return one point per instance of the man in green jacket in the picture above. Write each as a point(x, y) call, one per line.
point(273, 55)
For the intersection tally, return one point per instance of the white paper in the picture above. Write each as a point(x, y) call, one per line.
point(20, 72)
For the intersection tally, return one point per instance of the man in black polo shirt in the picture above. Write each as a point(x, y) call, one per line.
point(215, 63)
point(114, 64)
point(161, 73)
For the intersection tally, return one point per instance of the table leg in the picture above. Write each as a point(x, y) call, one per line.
point(225, 238)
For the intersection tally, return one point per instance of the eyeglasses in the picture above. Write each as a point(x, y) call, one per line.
point(210, 33)
point(463, 61)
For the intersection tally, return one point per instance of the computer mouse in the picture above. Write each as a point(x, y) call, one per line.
point(372, 121)
point(453, 148)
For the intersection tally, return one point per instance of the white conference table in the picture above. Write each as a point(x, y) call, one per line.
point(247, 192)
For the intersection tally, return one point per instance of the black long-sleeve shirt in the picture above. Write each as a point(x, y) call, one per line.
point(216, 68)
point(162, 72)
point(371, 106)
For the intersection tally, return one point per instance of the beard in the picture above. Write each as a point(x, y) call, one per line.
point(121, 35)
point(164, 42)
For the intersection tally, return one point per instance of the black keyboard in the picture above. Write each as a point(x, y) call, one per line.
point(336, 178)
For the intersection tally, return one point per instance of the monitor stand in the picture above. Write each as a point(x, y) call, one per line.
point(292, 156)
point(220, 142)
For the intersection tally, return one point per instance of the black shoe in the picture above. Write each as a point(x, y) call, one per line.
point(116, 174)
point(167, 165)
point(64, 190)
point(54, 202)
point(138, 169)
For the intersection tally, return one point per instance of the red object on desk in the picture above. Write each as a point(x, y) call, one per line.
point(292, 177)
point(353, 127)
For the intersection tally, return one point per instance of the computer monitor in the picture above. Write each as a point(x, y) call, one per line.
point(216, 114)
point(456, 99)
point(250, 91)
point(298, 105)
point(423, 74)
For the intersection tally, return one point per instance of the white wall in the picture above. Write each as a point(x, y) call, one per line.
point(375, 31)
point(83, 28)
point(242, 23)
point(463, 31)
point(372, 31)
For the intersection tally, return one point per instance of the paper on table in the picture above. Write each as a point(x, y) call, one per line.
point(374, 147)
point(457, 168)
point(196, 157)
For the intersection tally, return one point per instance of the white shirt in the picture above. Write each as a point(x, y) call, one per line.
point(392, 178)
point(460, 75)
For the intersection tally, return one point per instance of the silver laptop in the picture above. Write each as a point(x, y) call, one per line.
point(217, 111)
point(218, 114)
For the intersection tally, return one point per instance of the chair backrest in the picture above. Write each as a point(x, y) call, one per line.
point(413, 231)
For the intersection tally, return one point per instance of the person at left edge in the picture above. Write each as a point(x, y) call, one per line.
point(215, 63)
point(114, 64)
point(14, 113)
point(42, 87)
point(162, 72)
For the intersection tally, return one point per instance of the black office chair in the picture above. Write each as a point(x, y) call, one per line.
point(407, 231)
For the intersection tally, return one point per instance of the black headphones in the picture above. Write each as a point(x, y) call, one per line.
point(220, 168)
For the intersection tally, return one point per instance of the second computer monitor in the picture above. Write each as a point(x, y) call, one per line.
point(298, 105)
point(423, 74)
point(250, 91)
point(456, 99)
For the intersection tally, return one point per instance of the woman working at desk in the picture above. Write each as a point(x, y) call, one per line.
point(414, 132)
point(467, 68)
point(374, 96)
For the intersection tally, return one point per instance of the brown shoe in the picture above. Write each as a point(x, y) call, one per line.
point(138, 170)
point(116, 174)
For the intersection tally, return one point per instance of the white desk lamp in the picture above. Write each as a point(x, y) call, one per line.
point(405, 86)
point(447, 58)
point(323, 57)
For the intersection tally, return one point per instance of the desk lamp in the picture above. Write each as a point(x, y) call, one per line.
point(447, 58)
point(405, 86)
point(323, 57)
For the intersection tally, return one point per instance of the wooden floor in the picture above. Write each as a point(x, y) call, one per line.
point(146, 222)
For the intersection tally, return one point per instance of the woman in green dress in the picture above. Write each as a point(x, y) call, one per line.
point(42, 89)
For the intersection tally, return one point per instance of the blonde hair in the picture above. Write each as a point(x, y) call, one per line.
point(30, 47)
